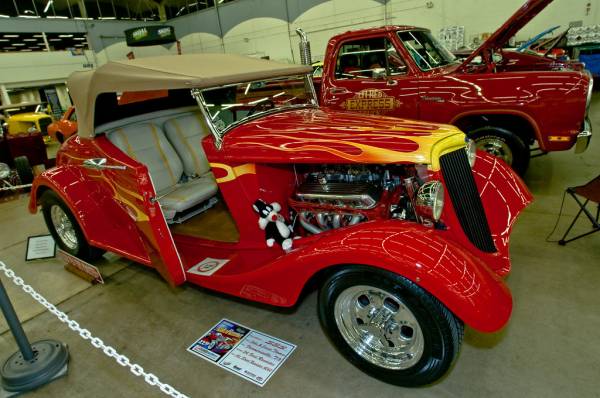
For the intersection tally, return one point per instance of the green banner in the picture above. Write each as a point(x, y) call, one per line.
point(150, 35)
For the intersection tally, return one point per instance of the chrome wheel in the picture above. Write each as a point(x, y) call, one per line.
point(379, 327)
point(63, 227)
point(497, 147)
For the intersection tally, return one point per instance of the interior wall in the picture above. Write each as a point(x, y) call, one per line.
point(40, 68)
point(559, 12)
point(263, 28)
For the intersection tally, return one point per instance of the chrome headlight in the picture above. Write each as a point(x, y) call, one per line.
point(4, 171)
point(430, 200)
point(471, 149)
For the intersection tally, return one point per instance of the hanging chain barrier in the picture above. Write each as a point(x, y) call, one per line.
point(14, 187)
point(85, 334)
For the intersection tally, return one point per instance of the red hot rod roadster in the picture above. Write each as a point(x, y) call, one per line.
point(222, 171)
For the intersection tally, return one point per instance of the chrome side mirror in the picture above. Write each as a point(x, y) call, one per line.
point(379, 74)
point(100, 164)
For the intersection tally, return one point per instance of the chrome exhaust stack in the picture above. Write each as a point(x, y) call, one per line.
point(305, 56)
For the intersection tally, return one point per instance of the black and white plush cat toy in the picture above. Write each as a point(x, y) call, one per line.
point(273, 223)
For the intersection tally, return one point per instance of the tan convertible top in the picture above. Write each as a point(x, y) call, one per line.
point(168, 72)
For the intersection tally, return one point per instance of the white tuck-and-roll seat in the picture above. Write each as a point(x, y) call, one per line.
point(177, 164)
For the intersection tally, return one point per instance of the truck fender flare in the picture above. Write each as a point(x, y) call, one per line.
point(456, 277)
point(103, 221)
point(509, 112)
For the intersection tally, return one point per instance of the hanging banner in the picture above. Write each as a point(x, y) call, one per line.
point(150, 35)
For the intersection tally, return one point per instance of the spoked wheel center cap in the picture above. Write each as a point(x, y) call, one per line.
point(63, 226)
point(379, 327)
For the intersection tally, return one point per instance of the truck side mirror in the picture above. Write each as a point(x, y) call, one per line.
point(379, 74)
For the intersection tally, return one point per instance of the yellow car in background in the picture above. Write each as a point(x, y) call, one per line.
point(26, 117)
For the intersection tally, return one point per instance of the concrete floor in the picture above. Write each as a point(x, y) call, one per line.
point(550, 348)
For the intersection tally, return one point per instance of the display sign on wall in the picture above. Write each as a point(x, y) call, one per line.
point(248, 353)
point(150, 36)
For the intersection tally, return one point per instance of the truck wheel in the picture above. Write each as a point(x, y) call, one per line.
point(504, 144)
point(65, 229)
point(388, 326)
point(24, 170)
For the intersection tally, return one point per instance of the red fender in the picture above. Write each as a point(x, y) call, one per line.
point(425, 256)
point(104, 222)
point(452, 274)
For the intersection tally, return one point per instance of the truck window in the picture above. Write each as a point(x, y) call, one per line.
point(368, 59)
point(425, 50)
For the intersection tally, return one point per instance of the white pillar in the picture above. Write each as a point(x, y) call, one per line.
point(4, 95)
point(82, 9)
point(46, 44)
point(63, 96)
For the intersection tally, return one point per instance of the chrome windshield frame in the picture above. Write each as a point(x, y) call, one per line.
point(219, 134)
point(454, 61)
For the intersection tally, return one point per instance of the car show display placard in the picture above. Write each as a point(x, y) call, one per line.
point(81, 268)
point(39, 247)
point(208, 266)
point(248, 353)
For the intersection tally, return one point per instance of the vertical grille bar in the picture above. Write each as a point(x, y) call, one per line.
point(461, 187)
point(44, 123)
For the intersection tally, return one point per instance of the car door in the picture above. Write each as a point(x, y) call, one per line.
point(133, 188)
point(370, 76)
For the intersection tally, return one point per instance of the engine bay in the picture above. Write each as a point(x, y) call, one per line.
point(336, 196)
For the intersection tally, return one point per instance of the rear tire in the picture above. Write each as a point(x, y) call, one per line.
point(504, 144)
point(388, 326)
point(24, 170)
point(65, 229)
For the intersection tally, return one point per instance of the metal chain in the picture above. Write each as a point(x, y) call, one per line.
point(85, 334)
point(14, 187)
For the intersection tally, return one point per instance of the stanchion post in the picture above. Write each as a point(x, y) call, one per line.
point(34, 364)
point(15, 325)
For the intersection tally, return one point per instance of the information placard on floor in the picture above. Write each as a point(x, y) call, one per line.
point(40, 247)
point(250, 354)
point(81, 268)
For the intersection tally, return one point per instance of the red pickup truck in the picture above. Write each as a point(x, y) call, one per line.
point(506, 101)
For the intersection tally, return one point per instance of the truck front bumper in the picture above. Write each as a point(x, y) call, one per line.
point(584, 137)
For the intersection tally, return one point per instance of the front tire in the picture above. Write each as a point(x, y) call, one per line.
point(65, 229)
point(503, 144)
point(388, 326)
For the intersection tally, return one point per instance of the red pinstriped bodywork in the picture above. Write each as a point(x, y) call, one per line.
point(546, 96)
point(115, 212)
